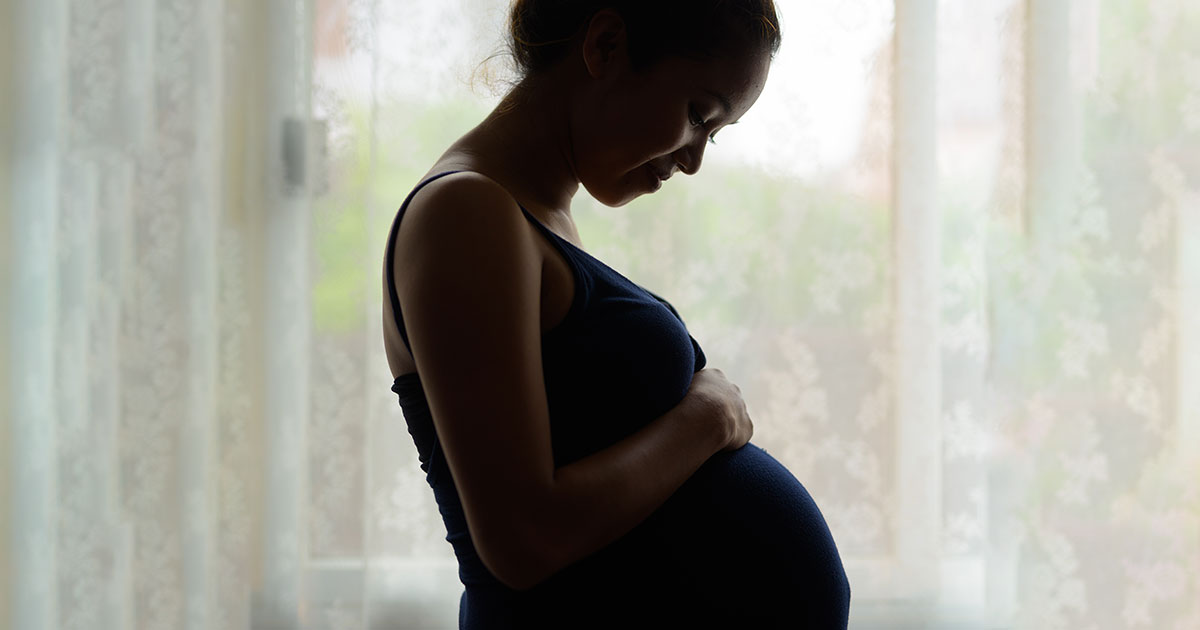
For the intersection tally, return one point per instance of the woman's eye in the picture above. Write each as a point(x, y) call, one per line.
point(697, 121)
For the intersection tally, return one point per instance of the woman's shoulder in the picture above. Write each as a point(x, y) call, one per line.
point(457, 193)
point(464, 211)
point(458, 179)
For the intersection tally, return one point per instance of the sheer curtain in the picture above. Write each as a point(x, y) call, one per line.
point(952, 257)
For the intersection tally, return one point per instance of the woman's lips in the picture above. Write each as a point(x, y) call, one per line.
point(655, 180)
point(657, 177)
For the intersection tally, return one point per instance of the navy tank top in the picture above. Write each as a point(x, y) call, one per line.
point(740, 544)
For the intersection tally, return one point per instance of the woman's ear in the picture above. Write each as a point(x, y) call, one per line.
point(604, 44)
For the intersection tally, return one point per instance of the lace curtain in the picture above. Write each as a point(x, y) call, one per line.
point(952, 258)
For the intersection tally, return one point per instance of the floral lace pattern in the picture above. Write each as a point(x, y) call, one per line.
point(203, 434)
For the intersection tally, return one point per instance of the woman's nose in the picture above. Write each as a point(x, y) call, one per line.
point(689, 157)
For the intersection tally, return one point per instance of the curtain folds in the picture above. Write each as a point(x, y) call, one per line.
point(952, 257)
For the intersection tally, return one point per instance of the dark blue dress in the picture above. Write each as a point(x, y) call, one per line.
point(740, 545)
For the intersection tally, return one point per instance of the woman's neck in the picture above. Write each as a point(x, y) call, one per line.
point(525, 145)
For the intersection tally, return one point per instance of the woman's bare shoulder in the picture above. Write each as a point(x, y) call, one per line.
point(457, 197)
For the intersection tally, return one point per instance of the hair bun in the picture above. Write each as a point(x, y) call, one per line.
point(540, 31)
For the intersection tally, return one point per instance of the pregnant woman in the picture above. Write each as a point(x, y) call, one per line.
point(590, 471)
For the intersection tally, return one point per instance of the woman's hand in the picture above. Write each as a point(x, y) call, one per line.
point(720, 401)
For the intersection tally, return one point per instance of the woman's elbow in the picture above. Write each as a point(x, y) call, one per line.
point(518, 562)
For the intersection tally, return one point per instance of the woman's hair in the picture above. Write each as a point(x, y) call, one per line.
point(540, 31)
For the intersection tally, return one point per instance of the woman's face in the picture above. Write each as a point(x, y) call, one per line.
point(633, 130)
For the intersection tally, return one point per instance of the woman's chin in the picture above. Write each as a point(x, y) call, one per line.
point(615, 198)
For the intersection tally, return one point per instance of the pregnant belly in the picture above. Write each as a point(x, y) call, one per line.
point(740, 544)
point(749, 540)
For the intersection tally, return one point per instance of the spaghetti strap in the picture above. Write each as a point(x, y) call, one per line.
point(391, 256)
point(566, 249)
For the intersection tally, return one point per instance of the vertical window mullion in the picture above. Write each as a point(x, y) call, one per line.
point(1051, 122)
point(916, 256)
point(40, 30)
point(287, 312)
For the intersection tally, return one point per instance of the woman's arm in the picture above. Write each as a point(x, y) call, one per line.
point(468, 275)
point(597, 499)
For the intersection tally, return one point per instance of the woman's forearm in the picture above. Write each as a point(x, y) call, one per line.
point(596, 500)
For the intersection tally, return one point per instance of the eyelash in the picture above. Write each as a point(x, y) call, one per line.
point(699, 122)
